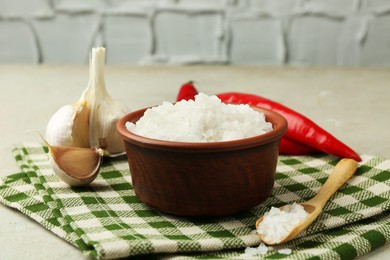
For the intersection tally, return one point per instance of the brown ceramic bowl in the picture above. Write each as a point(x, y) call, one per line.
point(203, 179)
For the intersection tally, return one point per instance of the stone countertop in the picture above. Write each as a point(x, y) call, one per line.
point(353, 104)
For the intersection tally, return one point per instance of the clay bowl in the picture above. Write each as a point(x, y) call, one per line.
point(203, 179)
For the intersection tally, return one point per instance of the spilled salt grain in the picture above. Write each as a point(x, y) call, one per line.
point(262, 249)
point(277, 224)
point(250, 251)
point(206, 119)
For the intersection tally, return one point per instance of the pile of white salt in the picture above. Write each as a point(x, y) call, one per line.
point(206, 119)
point(277, 223)
point(262, 249)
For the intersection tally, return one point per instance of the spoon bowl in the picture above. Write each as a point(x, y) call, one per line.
point(343, 171)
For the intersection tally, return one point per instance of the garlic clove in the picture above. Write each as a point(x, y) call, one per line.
point(103, 133)
point(69, 126)
point(80, 129)
point(75, 166)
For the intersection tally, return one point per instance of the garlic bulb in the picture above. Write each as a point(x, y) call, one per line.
point(79, 134)
point(75, 166)
point(90, 122)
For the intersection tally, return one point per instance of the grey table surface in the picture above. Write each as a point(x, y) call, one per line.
point(353, 104)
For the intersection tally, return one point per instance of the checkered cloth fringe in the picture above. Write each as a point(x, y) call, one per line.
point(106, 219)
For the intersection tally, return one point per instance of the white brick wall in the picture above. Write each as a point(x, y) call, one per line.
point(259, 32)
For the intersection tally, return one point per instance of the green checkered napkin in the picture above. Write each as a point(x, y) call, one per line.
point(106, 219)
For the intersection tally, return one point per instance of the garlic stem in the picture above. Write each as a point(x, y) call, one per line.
point(96, 72)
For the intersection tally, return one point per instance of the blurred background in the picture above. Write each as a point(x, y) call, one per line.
point(251, 32)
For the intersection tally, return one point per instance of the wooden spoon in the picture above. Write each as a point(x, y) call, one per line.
point(343, 171)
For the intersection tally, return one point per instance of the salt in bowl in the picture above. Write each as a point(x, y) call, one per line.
point(203, 179)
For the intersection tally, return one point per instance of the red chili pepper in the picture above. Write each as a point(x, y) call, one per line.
point(290, 147)
point(300, 128)
point(187, 92)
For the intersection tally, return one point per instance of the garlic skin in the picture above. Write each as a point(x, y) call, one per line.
point(75, 166)
point(91, 121)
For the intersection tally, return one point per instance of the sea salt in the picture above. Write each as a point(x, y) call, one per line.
point(206, 119)
point(277, 224)
point(262, 249)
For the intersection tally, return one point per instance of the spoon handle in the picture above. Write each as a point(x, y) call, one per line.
point(342, 172)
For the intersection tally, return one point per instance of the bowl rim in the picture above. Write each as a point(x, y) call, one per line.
point(279, 124)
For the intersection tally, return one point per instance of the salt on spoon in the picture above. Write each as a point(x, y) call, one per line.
point(343, 171)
